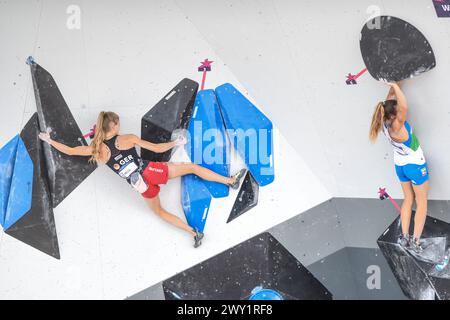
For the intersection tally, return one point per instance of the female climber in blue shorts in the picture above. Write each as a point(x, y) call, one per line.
point(410, 164)
point(118, 152)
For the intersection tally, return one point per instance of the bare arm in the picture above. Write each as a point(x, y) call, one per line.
point(71, 151)
point(155, 147)
point(391, 94)
point(402, 105)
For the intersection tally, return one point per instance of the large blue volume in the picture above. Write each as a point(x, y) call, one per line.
point(16, 182)
point(7, 157)
point(208, 145)
point(250, 132)
point(195, 199)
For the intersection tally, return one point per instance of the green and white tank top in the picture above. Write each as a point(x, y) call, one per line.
point(408, 152)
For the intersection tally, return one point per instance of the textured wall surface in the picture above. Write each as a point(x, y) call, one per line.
point(289, 57)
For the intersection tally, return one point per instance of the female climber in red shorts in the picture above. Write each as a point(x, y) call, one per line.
point(118, 152)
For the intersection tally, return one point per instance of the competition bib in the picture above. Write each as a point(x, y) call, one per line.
point(138, 183)
point(126, 170)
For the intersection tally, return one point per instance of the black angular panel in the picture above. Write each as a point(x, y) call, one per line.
point(247, 197)
point(233, 274)
point(173, 112)
point(416, 274)
point(410, 276)
point(64, 172)
point(37, 227)
point(394, 50)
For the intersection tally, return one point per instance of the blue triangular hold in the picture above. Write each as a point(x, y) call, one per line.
point(16, 181)
point(208, 144)
point(250, 131)
point(37, 227)
point(21, 190)
point(7, 161)
point(195, 199)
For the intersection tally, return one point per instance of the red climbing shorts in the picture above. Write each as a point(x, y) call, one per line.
point(154, 174)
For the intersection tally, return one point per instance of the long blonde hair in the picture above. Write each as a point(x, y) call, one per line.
point(101, 130)
point(383, 111)
point(377, 121)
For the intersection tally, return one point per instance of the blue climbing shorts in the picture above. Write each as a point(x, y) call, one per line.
point(417, 174)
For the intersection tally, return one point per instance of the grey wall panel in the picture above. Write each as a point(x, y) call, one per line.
point(336, 274)
point(363, 261)
point(152, 293)
point(311, 235)
point(363, 220)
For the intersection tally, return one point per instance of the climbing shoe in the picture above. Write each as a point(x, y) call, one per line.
point(198, 238)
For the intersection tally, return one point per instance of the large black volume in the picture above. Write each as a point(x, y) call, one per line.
point(64, 172)
point(172, 113)
point(416, 274)
point(233, 274)
point(395, 50)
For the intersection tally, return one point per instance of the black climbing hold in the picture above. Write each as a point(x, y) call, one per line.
point(416, 273)
point(37, 227)
point(394, 50)
point(247, 197)
point(64, 172)
point(173, 112)
point(233, 274)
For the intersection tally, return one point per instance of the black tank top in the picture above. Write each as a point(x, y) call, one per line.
point(123, 162)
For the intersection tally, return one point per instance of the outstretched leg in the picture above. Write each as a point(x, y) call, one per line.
point(421, 210)
point(406, 206)
point(182, 169)
point(155, 205)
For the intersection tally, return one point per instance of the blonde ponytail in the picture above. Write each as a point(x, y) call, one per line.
point(101, 130)
point(377, 122)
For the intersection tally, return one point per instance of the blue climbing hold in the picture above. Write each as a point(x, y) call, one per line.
point(259, 293)
point(441, 266)
point(7, 157)
point(30, 61)
point(208, 144)
point(16, 182)
point(250, 132)
point(195, 199)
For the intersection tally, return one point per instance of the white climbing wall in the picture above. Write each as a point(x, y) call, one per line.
point(294, 56)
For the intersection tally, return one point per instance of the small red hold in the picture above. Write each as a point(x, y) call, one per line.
point(205, 65)
point(382, 193)
point(351, 79)
point(91, 133)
